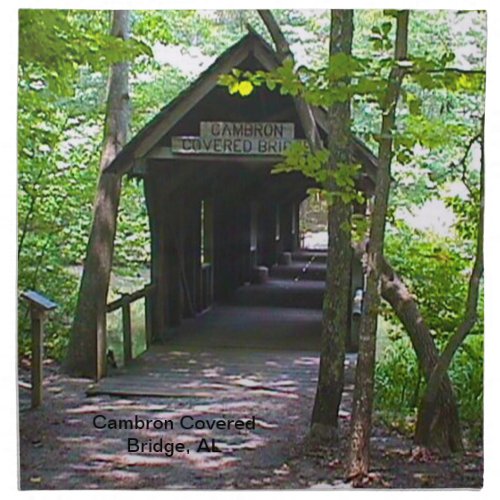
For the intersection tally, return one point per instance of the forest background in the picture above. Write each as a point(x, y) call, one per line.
point(70, 221)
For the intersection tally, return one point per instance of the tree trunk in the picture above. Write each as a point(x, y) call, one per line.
point(335, 325)
point(445, 431)
point(428, 413)
point(358, 457)
point(446, 426)
point(86, 350)
point(337, 296)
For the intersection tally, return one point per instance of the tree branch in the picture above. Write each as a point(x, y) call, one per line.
point(448, 70)
point(461, 163)
point(304, 110)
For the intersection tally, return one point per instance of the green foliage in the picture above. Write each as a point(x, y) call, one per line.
point(436, 271)
point(440, 110)
point(400, 384)
point(154, 90)
point(466, 214)
point(339, 182)
point(132, 241)
point(55, 281)
point(466, 373)
point(299, 157)
point(61, 103)
point(46, 35)
point(347, 77)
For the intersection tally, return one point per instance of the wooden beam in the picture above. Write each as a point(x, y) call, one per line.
point(153, 187)
point(37, 318)
point(149, 318)
point(174, 243)
point(197, 92)
point(268, 61)
point(165, 153)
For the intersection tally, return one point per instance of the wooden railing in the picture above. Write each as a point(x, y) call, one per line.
point(124, 303)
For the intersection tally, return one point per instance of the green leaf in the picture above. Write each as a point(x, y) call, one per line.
point(245, 88)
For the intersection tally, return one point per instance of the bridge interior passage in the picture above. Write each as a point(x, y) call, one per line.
point(212, 226)
point(218, 226)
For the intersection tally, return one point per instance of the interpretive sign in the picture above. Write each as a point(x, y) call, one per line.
point(238, 138)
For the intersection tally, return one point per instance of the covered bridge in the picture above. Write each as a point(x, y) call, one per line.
point(217, 214)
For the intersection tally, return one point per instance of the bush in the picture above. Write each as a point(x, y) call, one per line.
point(400, 384)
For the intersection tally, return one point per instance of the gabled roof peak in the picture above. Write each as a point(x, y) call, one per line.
point(149, 136)
point(250, 44)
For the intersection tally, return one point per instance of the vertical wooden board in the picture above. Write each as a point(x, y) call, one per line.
point(37, 358)
point(127, 330)
point(149, 318)
point(295, 226)
point(254, 225)
point(191, 253)
point(100, 347)
point(286, 227)
point(209, 247)
point(208, 231)
point(267, 234)
point(227, 243)
point(173, 240)
point(219, 248)
point(153, 193)
point(196, 253)
point(245, 259)
point(245, 269)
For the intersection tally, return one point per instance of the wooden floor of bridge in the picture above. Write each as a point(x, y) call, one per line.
point(264, 340)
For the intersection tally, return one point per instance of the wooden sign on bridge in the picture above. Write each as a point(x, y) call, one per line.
point(239, 138)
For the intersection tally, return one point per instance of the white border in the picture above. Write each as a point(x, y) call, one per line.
point(8, 186)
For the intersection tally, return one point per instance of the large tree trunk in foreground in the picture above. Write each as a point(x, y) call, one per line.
point(335, 325)
point(445, 432)
point(336, 302)
point(428, 414)
point(359, 445)
point(86, 350)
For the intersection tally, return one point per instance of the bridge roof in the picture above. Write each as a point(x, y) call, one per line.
point(251, 47)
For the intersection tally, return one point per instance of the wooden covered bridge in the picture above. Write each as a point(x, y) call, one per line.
point(218, 215)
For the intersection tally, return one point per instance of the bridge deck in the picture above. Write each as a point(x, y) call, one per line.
point(265, 340)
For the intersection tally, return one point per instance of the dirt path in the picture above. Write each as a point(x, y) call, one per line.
point(61, 449)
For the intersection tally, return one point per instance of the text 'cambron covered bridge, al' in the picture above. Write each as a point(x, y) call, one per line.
point(217, 214)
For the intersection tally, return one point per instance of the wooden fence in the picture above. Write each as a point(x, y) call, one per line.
point(123, 303)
